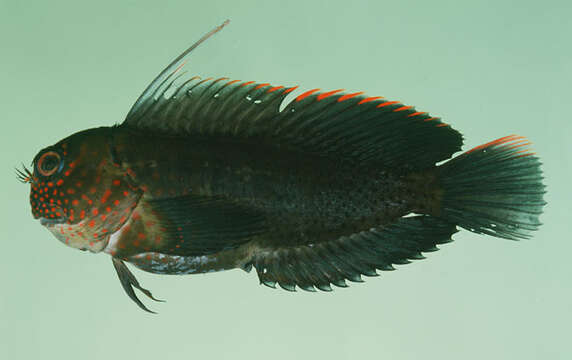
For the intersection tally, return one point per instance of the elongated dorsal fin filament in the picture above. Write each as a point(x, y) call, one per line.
point(174, 67)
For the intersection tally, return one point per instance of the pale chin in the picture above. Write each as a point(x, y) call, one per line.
point(63, 233)
point(47, 222)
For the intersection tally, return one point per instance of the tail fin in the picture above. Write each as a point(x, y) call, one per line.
point(495, 189)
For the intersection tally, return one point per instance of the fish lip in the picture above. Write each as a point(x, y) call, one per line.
point(49, 222)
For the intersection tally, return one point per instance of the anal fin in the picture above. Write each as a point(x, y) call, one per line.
point(349, 257)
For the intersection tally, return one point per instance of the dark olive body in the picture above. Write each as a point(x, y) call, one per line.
point(218, 174)
point(309, 198)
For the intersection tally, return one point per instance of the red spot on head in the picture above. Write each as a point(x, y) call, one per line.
point(105, 196)
point(95, 211)
point(116, 182)
point(60, 182)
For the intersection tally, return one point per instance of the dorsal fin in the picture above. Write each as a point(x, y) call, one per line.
point(212, 107)
point(348, 126)
point(171, 72)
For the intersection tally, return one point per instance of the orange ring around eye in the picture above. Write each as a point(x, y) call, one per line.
point(43, 158)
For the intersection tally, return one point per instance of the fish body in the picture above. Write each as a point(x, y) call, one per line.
point(293, 195)
point(216, 174)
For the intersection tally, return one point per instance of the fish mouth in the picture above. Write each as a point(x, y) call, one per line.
point(49, 222)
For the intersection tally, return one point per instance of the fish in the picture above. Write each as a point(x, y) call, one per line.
point(317, 190)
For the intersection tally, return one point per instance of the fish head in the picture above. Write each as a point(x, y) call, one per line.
point(79, 192)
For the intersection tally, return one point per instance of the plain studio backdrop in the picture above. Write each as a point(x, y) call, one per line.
point(488, 68)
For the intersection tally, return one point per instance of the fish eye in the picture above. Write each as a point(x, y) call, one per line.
point(49, 163)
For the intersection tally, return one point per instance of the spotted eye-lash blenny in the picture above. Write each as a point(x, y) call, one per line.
point(216, 174)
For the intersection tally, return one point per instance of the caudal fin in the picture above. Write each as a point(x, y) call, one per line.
point(495, 189)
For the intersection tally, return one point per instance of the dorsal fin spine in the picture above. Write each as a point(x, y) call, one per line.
point(291, 89)
point(417, 113)
point(349, 96)
point(326, 94)
point(387, 103)
point(431, 119)
point(306, 94)
point(274, 88)
point(368, 99)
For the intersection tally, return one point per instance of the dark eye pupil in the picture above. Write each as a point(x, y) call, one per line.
point(49, 163)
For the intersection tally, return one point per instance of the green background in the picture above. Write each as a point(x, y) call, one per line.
point(489, 68)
